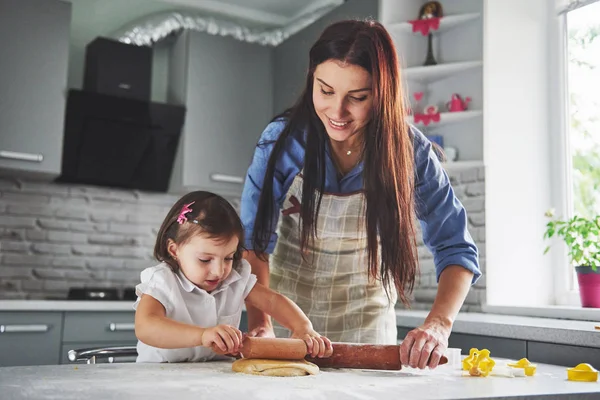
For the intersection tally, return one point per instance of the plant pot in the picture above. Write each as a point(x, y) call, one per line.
point(589, 286)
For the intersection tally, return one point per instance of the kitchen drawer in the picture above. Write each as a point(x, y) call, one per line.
point(498, 347)
point(64, 352)
point(30, 338)
point(244, 322)
point(91, 327)
point(402, 332)
point(562, 354)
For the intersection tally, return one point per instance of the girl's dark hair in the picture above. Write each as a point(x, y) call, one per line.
point(216, 218)
point(388, 156)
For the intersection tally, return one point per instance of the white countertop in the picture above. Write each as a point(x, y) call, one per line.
point(579, 333)
point(65, 305)
point(195, 381)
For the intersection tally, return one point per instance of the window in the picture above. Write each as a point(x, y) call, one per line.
point(583, 80)
point(581, 21)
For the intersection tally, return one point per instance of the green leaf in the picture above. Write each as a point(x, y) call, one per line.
point(547, 249)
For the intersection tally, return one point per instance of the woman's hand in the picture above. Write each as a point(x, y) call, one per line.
point(317, 345)
point(223, 339)
point(425, 345)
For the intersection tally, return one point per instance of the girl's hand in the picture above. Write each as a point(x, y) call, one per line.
point(317, 345)
point(222, 339)
point(425, 345)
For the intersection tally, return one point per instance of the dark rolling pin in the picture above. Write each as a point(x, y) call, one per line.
point(345, 355)
point(363, 356)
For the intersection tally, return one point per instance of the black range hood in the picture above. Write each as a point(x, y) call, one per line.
point(114, 135)
point(119, 142)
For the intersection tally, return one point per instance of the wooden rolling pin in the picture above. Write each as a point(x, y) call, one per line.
point(273, 348)
point(345, 355)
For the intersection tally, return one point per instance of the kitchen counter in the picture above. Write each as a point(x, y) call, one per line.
point(65, 305)
point(578, 333)
point(216, 380)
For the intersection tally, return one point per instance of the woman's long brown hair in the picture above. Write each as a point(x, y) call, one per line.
point(388, 172)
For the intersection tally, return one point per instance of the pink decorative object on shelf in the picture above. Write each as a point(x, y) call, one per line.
point(425, 26)
point(431, 109)
point(457, 103)
point(431, 115)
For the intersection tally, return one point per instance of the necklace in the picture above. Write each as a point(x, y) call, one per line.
point(342, 166)
point(357, 149)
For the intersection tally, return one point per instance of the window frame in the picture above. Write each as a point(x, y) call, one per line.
point(565, 282)
point(565, 292)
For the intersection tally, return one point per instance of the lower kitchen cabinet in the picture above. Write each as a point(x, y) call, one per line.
point(562, 354)
point(30, 338)
point(402, 332)
point(84, 330)
point(110, 327)
point(244, 322)
point(499, 347)
point(42, 338)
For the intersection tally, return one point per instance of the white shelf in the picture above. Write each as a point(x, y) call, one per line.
point(455, 165)
point(449, 118)
point(446, 23)
point(440, 71)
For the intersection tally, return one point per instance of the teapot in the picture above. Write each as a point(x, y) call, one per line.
point(457, 103)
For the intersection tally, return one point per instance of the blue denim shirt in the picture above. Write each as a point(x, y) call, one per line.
point(442, 217)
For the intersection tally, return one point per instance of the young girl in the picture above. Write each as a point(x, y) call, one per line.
point(189, 306)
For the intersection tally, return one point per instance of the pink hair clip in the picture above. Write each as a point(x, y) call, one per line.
point(184, 210)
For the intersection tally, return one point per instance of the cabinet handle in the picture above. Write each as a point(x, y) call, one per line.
point(14, 155)
point(121, 327)
point(24, 328)
point(227, 178)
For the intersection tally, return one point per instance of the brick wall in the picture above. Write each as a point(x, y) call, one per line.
point(55, 236)
point(469, 186)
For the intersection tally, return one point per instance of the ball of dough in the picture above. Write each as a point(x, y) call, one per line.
point(258, 366)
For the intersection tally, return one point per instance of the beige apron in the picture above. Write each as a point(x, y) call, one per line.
point(334, 289)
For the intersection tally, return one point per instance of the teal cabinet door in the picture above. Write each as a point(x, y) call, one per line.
point(30, 338)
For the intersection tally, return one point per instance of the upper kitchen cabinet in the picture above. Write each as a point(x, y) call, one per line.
point(226, 86)
point(33, 80)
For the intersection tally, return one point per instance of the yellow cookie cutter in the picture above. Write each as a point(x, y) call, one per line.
point(478, 362)
point(467, 362)
point(582, 373)
point(526, 365)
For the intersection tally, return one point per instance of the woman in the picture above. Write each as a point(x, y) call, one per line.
point(349, 177)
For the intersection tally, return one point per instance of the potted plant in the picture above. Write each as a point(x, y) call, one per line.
point(581, 235)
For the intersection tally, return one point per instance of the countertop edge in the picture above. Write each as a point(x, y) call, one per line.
point(547, 330)
point(64, 305)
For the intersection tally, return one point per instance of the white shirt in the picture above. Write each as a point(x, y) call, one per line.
point(185, 302)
